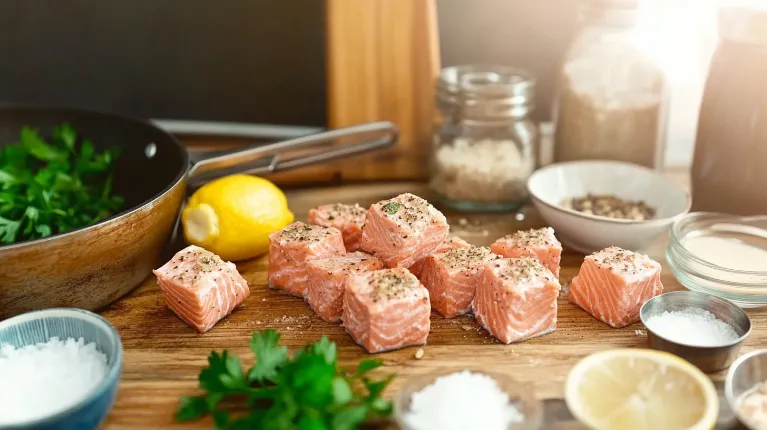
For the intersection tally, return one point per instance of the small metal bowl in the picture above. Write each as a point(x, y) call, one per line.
point(745, 373)
point(709, 359)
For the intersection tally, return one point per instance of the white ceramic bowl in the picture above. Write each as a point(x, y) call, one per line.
point(552, 184)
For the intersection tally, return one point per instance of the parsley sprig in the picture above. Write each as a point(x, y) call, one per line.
point(54, 186)
point(305, 392)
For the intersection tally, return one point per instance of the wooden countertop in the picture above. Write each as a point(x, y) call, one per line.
point(163, 355)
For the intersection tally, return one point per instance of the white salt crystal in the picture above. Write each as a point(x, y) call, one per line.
point(462, 400)
point(692, 326)
point(47, 378)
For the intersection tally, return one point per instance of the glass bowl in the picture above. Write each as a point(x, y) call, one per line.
point(521, 397)
point(743, 282)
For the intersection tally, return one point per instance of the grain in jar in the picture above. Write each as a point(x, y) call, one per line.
point(485, 145)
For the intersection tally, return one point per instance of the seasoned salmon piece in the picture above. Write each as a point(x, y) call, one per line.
point(347, 218)
point(403, 230)
point(540, 244)
point(327, 281)
point(613, 284)
point(451, 278)
point(452, 242)
point(200, 287)
point(292, 247)
point(516, 299)
point(386, 309)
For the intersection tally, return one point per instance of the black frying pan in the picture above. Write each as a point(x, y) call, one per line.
point(91, 267)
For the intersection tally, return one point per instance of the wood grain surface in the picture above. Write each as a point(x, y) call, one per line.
point(163, 355)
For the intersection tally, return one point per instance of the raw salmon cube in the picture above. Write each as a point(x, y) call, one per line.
point(347, 218)
point(451, 278)
point(327, 281)
point(516, 299)
point(200, 287)
point(452, 242)
point(386, 309)
point(403, 230)
point(540, 244)
point(292, 247)
point(613, 284)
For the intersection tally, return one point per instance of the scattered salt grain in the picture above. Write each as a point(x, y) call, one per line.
point(638, 332)
point(692, 326)
point(47, 378)
point(462, 400)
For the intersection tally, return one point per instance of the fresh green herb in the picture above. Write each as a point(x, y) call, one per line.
point(331, 218)
point(54, 186)
point(307, 391)
point(391, 208)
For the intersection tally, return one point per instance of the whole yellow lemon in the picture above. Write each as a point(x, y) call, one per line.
point(234, 215)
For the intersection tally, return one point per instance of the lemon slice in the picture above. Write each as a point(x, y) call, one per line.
point(640, 389)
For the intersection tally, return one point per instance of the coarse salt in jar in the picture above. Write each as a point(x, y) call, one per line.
point(485, 145)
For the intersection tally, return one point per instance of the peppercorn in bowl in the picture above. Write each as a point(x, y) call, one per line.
point(596, 204)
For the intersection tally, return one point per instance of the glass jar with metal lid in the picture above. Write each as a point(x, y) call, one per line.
point(485, 145)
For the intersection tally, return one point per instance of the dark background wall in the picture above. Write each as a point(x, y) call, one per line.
point(235, 60)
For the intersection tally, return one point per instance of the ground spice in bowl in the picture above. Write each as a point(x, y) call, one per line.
point(611, 206)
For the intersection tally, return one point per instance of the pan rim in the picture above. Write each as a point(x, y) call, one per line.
point(180, 177)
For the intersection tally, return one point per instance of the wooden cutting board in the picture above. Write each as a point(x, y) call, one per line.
point(163, 356)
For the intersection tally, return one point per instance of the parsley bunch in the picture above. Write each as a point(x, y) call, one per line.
point(54, 186)
point(305, 392)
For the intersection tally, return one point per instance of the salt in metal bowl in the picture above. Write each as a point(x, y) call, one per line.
point(40, 326)
point(744, 374)
point(709, 359)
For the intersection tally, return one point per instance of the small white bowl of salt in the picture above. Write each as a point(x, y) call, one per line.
point(467, 399)
point(61, 368)
point(703, 329)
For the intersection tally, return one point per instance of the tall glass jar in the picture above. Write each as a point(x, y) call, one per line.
point(613, 98)
point(485, 146)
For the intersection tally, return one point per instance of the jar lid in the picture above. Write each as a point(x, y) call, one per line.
point(744, 22)
point(486, 91)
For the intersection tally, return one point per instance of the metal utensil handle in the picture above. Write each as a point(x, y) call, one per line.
point(269, 158)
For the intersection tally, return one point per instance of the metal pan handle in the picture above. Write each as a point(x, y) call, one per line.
point(314, 148)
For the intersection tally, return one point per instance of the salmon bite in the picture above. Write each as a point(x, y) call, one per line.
point(614, 283)
point(516, 299)
point(403, 230)
point(452, 277)
point(386, 309)
point(452, 242)
point(200, 287)
point(292, 247)
point(327, 281)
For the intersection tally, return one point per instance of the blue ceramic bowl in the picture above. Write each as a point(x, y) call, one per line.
point(39, 326)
